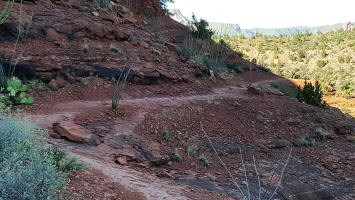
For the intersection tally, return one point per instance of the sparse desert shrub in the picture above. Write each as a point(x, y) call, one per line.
point(26, 170)
point(341, 59)
point(119, 86)
point(234, 179)
point(192, 151)
point(310, 94)
point(321, 63)
point(320, 134)
point(167, 135)
point(115, 49)
point(204, 160)
point(351, 139)
point(104, 4)
point(156, 52)
point(62, 162)
point(186, 52)
point(234, 67)
point(199, 29)
point(176, 156)
point(303, 142)
point(98, 47)
point(84, 81)
point(85, 48)
point(347, 59)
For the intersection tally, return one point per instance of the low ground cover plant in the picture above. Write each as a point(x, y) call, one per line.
point(28, 169)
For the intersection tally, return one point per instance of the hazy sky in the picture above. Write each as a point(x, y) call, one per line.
point(270, 13)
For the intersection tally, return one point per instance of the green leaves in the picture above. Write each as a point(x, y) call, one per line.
point(15, 93)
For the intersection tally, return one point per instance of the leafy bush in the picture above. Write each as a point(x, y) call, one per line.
point(200, 29)
point(310, 94)
point(62, 162)
point(26, 170)
point(305, 142)
point(15, 93)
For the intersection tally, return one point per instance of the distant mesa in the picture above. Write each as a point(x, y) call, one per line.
point(234, 29)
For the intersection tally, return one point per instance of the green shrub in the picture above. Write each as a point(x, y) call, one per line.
point(116, 49)
point(176, 156)
point(156, 52)
point(199, 29)
point(204, 160)
point(310, 94)
point(85, 48)
point(84, 81)
point(341, 59)
point(324, 54)
point(321, 63)
point(167, 135)
point(305, 142)
point(351, 139)
point(26, 170)
point(15, 93)
point(104, 4)
point(192, 151)
point(186, 52)
point(62, 162)
point(234, 67)
point(348, 59)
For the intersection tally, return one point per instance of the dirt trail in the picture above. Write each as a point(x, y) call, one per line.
point(100, 157)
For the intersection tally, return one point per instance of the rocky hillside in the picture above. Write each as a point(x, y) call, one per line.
point(69, 39)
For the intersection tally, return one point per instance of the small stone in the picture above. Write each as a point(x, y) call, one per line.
point(122, 160)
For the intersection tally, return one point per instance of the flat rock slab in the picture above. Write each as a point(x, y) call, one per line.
point(74, 132)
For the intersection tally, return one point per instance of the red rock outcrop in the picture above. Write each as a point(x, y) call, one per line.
point(59, 30)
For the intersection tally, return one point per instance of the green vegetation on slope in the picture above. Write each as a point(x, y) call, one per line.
point(28, 169)
point(327, 57)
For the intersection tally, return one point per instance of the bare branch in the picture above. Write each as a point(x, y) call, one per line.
point(221, 161)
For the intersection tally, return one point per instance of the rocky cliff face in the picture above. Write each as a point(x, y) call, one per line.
point(72, 38)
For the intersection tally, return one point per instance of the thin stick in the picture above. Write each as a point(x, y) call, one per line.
point(221, 161)
point(271, 178)
point(245, 173)
point(257, 175)
point(281, 176)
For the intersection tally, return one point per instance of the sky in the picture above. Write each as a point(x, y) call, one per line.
point(269, 13)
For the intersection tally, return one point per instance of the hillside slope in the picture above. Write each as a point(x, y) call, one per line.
point(77, 38)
